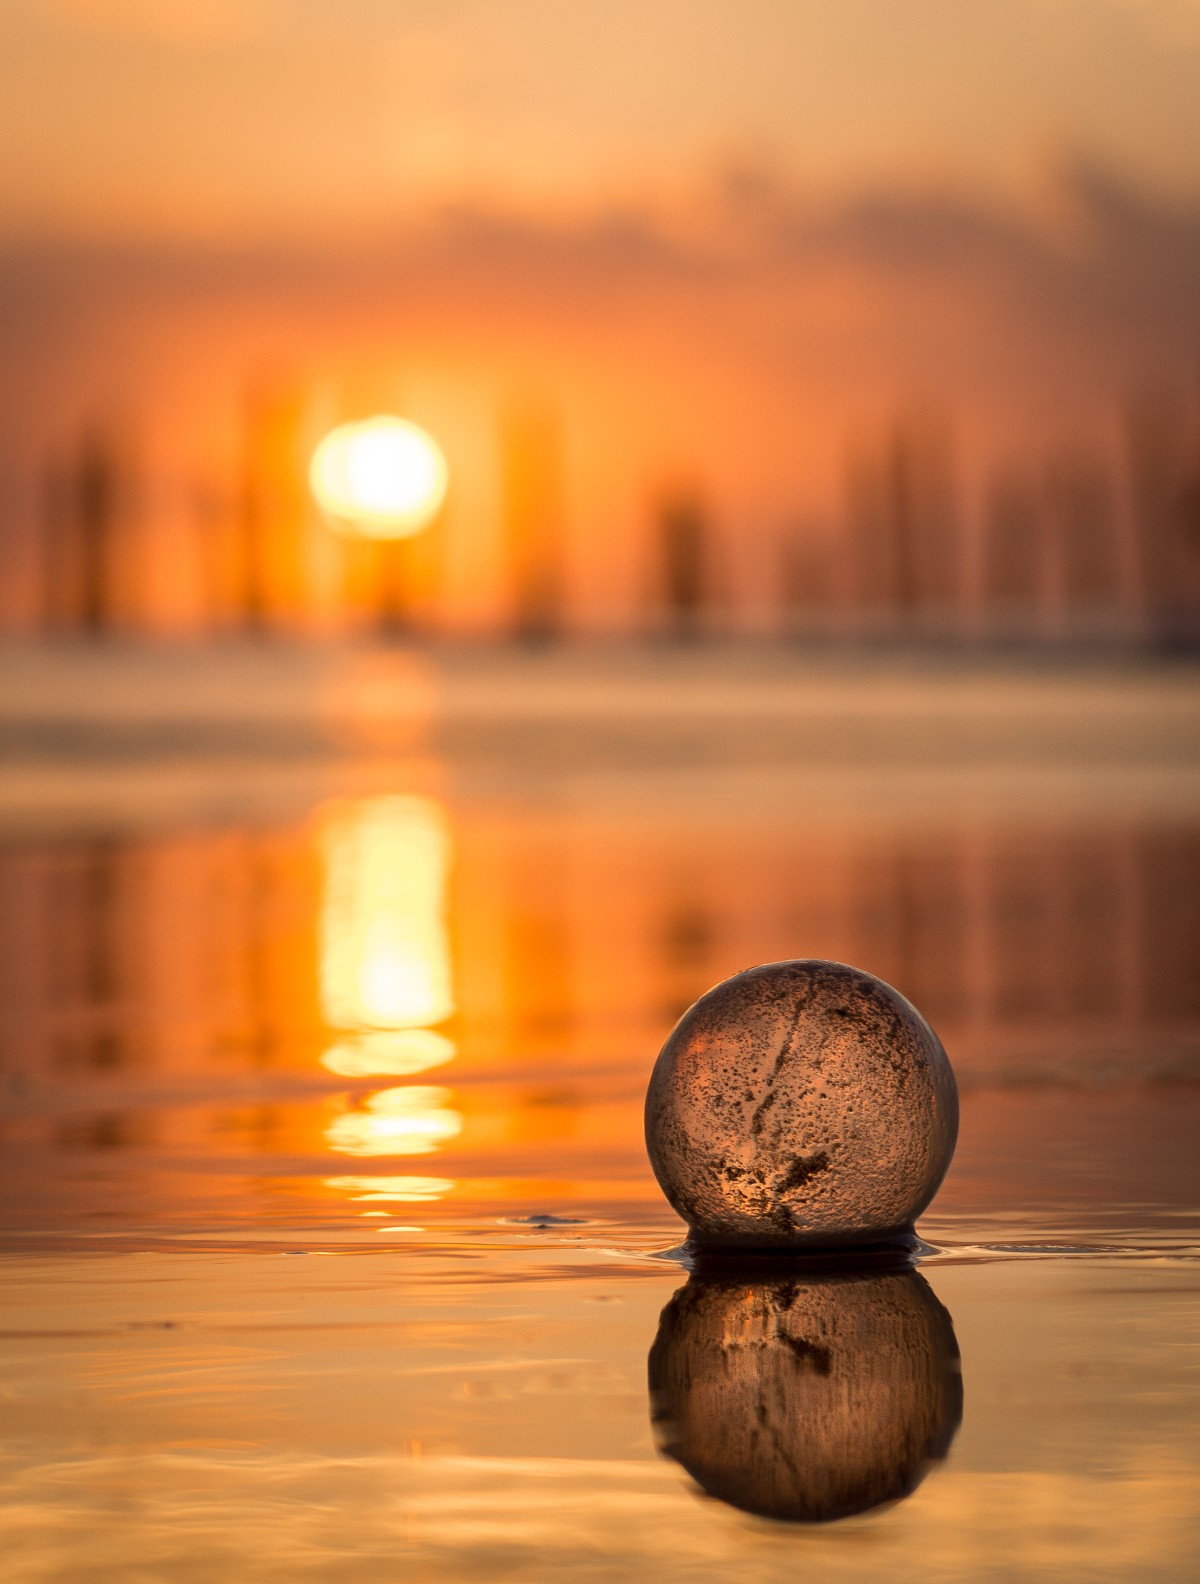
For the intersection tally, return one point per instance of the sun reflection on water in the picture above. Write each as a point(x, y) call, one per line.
point(384, 1052)
point(385, 958)
point(386, 979)
point(401, 1190)
point(409, 1121)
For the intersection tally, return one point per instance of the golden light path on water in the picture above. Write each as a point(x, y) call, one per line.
point(385, 959)
point(385, 979)
point(409, 1121)
point(379, 1052)
point(407, 1190)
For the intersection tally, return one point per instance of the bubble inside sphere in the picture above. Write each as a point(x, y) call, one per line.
point(801, 1104)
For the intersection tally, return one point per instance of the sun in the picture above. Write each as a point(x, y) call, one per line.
point(383, 478)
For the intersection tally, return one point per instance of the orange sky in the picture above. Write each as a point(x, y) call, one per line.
point(212, 117)
point(719, 243)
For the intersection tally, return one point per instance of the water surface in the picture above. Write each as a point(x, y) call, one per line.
point(330, 1248)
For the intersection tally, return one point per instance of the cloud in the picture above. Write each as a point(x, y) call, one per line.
point(757, 296)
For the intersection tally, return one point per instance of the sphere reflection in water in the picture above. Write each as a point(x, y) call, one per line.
point(806, 1398)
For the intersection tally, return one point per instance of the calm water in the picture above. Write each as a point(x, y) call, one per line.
point(330, 1249)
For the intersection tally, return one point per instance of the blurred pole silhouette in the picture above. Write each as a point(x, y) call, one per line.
point(807, 582)
point(900, 488)
point(1014, 561)
point(1164, 463)
point(96, 504)
point(82, 502)
point(867, 546)
point(271, 508)
point(392, 563)
point(56, 603)
point(531, 457)
point(684, 542)
point(1187, 511)
point(250, 600)
point(1082, 529)
point(926, 531)
point(904, 537)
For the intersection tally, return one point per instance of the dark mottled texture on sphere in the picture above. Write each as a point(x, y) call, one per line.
point(801, 1105)
point(803, 1399)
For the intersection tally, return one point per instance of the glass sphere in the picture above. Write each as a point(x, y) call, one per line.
point(801, 1104)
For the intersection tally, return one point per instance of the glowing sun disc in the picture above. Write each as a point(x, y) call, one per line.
point(383, 478)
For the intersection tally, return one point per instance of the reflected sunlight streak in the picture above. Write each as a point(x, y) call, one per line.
point(388, 1053)
point(412, 1121)
point(385, 958)
point(385, 973)
point(401, 1190)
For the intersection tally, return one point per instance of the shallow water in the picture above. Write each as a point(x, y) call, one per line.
point(330, 1249)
